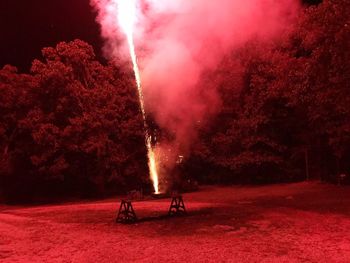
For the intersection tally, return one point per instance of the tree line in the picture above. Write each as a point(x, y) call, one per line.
point(72, 125)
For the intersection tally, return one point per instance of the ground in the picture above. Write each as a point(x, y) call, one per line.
point(303, 222)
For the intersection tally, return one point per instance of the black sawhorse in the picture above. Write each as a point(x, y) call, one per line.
point(126, 213)
point(177, 206)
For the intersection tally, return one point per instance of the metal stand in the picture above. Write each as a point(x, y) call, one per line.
point(126, 213)
point(177, 206)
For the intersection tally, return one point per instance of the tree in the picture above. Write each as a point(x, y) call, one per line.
point(82, 128)
point(321, 43)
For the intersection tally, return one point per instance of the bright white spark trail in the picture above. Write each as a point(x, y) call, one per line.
point(127, 20)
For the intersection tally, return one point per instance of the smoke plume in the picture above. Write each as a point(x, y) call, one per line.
point(178, 40)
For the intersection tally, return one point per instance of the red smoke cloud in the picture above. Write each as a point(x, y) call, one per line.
point(179, 40)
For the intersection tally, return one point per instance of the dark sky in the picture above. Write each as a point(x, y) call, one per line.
point(26, 26)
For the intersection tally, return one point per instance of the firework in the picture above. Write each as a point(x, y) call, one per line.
point(127, 20)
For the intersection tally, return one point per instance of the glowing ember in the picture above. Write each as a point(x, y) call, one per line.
point(152, 165)
point(127, 19)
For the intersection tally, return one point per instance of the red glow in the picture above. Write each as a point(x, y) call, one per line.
point(189, 38)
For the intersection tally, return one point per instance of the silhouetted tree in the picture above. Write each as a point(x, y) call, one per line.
point(79, 126)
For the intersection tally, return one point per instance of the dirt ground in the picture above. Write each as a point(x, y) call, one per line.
point(304, 222)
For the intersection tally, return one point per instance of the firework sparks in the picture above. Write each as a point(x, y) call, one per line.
point(127, 20)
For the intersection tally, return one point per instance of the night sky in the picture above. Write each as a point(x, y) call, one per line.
point(27, 26)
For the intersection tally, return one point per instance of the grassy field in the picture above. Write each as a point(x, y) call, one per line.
point(304, 222)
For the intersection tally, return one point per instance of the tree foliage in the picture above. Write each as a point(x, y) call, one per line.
point(72, 122)
point(284, 98)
